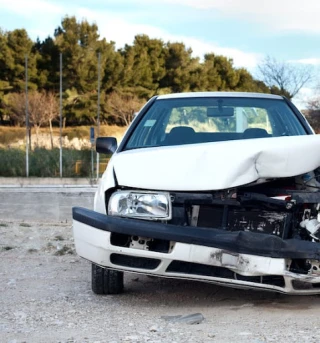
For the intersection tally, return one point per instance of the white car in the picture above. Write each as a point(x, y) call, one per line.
point(215, 187)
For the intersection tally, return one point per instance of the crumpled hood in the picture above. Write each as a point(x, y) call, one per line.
point(218, 165)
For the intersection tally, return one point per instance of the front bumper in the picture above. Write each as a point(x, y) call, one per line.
point(238, 259)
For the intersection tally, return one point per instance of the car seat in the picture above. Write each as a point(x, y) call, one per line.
point(180, 135)
point(254, 133)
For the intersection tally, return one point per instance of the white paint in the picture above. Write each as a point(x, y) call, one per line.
point(219, 94)
point(94, 245)
point(107, 181)
point(214, 166)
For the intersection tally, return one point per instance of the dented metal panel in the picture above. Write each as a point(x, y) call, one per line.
point(217, 165)
point(246, 271)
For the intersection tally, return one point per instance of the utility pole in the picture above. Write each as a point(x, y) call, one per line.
point(27, 119)
point(98, 111)
point(61, 115)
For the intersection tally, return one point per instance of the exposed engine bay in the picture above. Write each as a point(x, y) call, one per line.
point(288, 208)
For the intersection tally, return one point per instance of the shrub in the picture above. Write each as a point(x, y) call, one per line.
point(45, 163)
point(13, 162)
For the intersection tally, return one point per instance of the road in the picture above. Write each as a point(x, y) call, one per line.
point(43, 203)
point(46, 294)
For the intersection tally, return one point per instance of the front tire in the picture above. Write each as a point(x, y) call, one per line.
point(106, 281)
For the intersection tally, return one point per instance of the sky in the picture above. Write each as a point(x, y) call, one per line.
point(244, 30)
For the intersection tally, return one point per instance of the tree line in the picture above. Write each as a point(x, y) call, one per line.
point(128, 76)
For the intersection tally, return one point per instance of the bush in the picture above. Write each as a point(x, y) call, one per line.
point(13, 162)
point(45, 163)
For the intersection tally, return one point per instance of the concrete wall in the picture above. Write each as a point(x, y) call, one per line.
point(50, 204)
point(41, 181)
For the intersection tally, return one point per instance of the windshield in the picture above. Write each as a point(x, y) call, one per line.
point(200, 120)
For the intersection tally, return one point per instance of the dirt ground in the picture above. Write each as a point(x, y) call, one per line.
point(46, 297)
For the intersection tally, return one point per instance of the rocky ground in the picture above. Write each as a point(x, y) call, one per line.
point(46, 297)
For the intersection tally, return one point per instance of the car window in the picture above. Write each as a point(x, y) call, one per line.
point(198, 119)
point(201, 120)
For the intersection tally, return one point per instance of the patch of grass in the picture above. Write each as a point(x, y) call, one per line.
point(24, 225)
point(10, 135)
point(7, 248)
point(64, 251)
point(58, 238)
point(3, 225)
point(113, 131)
point(81, 132)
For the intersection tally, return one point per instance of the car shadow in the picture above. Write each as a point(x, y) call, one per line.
point(173, 292)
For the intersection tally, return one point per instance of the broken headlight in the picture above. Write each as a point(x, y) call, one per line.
point(143, 205)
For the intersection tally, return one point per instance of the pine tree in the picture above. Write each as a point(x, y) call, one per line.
point(19, 46)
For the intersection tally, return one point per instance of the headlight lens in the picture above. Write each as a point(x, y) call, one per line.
point(144, 205)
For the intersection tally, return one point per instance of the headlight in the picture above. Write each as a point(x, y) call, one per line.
point(144, 205)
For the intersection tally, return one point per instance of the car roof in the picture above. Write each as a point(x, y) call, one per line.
point(219, 94)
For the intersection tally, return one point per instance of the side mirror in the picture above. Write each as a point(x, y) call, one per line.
point(106, 145)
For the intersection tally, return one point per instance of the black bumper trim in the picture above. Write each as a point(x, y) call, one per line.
point(134, 261)
point(240, 241)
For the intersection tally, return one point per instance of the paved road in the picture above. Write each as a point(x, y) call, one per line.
point(43, 203)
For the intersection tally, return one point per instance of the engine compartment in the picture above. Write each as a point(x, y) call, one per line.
point(280, 207)
point(287, 208)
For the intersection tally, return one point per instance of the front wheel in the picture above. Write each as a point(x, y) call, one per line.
point(106, 281)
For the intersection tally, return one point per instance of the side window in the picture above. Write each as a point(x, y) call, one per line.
point(146, 133)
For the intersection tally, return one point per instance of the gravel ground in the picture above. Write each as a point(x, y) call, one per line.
point(46, 297)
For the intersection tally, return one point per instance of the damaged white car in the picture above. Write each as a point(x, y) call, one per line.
point(215, 187)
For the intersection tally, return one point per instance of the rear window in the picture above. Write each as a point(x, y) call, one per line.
point(202, 120)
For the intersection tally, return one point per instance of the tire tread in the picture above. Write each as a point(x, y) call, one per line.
point(106, 281)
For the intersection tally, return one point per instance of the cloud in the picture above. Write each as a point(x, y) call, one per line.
point(38, 17)
point(123, 32)
point(31, 8)
point(199, 47)
point(43, 16)
point(303, 97)
point(312, 61)
point(275, 15)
